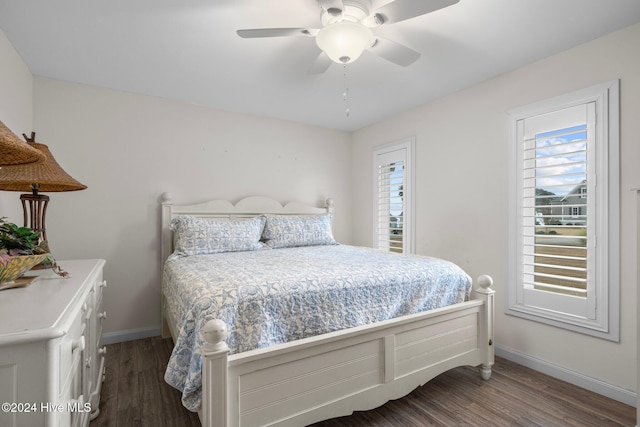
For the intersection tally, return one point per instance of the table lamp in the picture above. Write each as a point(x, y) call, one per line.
point(45, 175)
point(15, 152)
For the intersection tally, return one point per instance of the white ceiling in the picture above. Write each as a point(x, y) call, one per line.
point(187, 50)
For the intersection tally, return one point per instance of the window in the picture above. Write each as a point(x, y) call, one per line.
point(392, 210)
point(563, 266)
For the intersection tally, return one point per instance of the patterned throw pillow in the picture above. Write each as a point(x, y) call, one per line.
point(197, 236)
point(286, 231)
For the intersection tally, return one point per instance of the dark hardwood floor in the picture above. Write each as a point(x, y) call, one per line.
point(135, 394)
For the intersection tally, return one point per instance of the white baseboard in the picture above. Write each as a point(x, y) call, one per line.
point(130, 335)
point(611, 391)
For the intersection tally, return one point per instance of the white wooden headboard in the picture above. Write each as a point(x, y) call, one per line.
point(224, 209)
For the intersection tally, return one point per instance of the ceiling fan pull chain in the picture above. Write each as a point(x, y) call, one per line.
point(345, 94)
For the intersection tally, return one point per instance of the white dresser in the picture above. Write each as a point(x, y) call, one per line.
point(51, 361)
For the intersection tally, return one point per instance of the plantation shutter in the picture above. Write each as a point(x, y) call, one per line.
point(564, 211)
point(391, 205)
point(558, 211)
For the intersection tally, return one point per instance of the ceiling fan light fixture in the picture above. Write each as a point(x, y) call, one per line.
point(344, 41)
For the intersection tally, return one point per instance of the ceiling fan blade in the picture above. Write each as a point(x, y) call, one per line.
point(333, 7)
point(321, 64)
point(394, 52)
point(274, 32)
point(400, 10)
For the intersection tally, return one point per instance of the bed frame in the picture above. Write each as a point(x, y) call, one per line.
point(331, 375)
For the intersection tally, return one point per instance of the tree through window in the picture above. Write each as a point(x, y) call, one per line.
point(392, 202)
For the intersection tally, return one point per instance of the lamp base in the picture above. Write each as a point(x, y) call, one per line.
point(34, 207)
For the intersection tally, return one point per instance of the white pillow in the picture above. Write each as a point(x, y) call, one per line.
point(286, 231)
point(198, 236)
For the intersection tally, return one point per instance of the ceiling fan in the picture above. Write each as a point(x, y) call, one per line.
point(346, 30)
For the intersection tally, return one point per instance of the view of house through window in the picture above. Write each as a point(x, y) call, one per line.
point(559, 159)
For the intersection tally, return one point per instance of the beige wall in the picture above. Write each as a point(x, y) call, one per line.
point(16, 106)
point(16, 89)
point(461, 190)
point(128, 149)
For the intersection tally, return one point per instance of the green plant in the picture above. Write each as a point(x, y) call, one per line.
point(19, 241)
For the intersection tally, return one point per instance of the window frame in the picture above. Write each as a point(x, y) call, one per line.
point(605, 245)
point(407, 147)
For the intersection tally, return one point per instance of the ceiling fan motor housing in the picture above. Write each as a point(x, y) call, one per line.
point(354, 11)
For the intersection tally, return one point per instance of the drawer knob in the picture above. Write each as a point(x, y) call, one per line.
point(103, 284)
point(87, 362)
point(102, 350)
point(103, 315)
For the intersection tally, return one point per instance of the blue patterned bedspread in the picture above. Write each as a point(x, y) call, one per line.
point(273, 296)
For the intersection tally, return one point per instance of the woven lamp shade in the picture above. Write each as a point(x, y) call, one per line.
point(47, 175)
point(13, 151)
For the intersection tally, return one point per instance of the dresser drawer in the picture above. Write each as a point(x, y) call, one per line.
point(72, 398)
point(73, 347)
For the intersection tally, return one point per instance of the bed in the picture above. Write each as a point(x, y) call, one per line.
point(350, 340)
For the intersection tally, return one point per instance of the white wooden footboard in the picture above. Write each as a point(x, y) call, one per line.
point(334, 374)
